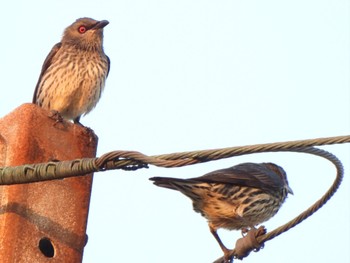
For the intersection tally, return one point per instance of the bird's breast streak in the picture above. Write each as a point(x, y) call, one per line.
point(76, 90)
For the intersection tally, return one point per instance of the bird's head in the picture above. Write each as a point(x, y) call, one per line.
point(85, 33)
point(282, 175)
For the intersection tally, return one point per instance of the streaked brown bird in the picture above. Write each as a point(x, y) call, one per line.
point(73, 75)
point(238, 197)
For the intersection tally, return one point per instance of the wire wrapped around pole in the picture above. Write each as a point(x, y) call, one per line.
point(46, 171)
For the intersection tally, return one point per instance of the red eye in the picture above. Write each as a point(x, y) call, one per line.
point(82, 29)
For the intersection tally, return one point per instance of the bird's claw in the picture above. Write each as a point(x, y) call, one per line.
point(244, 231)
point(56, 116)
point(249, 242)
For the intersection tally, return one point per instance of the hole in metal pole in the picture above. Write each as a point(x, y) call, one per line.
point(46, 247)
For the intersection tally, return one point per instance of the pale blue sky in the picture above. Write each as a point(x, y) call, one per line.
point(189, 75)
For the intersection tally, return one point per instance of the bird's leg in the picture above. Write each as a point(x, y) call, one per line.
point(77, 121)
point(216, 236)
point(226, 251)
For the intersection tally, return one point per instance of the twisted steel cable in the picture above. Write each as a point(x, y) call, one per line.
point(132, 160)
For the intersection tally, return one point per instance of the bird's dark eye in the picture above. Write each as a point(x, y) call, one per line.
point(82, 29)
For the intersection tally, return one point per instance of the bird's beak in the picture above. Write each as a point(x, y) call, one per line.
point(101, 24)
point(289, 190)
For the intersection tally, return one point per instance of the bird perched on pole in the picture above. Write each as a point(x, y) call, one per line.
point(235, 198)
point(73, 75)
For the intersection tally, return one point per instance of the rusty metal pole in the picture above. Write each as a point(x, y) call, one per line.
point(45, 221)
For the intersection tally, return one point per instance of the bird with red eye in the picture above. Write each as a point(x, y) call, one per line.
point(74, 73)
point(82, 29)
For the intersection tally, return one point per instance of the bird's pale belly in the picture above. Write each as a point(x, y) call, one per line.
point(75, 92)
point(234, 214)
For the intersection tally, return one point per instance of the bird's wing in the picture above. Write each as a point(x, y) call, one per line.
point(45, 66)
point(109, 65)
point(258, 175)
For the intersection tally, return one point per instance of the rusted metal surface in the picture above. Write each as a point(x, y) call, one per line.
point(46, 221)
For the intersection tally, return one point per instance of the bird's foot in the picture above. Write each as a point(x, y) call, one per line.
point(244, 231)
point(249, 242)
point(55, 115)
point(259, 232)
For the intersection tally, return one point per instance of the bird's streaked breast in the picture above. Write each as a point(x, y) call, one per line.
point(73, 83)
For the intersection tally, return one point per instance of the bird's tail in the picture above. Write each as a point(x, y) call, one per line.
point(168, 182)
point(188, 187)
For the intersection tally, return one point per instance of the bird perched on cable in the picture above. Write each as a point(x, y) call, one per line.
point(73, 75)
point(238, 197)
